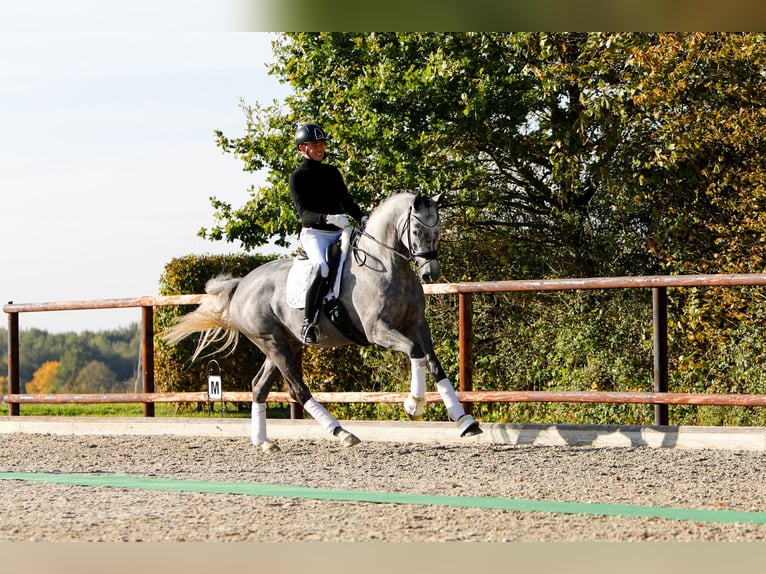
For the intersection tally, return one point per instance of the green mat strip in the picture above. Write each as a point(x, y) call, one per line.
point(285, 491)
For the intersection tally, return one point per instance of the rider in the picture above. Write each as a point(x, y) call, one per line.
point(322, 200)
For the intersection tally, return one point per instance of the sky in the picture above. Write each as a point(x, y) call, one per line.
point(108, 159)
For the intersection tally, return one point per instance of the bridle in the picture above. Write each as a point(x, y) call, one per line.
point(430, 255)
point(412, 255)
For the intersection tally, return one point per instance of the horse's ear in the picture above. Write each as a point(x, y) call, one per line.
point(420, 200)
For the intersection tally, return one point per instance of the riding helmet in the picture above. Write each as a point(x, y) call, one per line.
point(309, 133)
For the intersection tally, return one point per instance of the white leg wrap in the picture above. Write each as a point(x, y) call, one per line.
point(454, 408)
point(413, 407)
point(321, 415)
point(258, 429)
point(418, 380)
point(416, 402)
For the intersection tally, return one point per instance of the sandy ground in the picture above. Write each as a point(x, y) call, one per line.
point(698, 479)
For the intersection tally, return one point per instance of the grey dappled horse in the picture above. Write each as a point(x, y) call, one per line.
point(382, 296)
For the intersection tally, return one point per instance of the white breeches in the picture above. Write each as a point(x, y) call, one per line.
point(315, 243)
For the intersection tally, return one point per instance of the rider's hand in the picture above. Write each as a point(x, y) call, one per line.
point(364, 220)
point(338, 220)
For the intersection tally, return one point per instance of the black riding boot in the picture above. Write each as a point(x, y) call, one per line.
point(310, 332)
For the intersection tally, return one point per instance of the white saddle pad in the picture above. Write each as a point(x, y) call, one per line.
point(298, 279)
point(302, 272)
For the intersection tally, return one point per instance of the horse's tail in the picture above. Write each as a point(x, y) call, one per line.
point(211, 318)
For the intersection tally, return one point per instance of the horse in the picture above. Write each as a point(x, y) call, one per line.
point(383, 300)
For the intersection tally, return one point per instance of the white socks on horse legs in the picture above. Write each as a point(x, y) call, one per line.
point(418, 380)
point(321, 415)
point(416, 401)
point(454, 408)
point(258, 429)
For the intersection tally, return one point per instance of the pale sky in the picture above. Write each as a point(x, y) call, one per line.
point(108, 158)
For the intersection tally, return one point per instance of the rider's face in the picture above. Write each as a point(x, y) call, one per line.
point(314, 150)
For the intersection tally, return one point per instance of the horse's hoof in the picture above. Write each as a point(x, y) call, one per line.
point(413, 407)
point(468, 426)
point(269, 447)
point(347, 439)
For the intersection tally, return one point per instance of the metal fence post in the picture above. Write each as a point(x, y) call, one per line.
point(147, 355)
point(13, 361)
point(296, 410)
point(660, 321)
point(465, 344)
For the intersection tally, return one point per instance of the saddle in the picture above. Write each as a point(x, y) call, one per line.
point(301, 275)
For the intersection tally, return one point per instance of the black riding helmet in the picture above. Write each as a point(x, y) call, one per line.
point(310, 133)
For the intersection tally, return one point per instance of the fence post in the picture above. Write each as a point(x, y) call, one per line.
point(147, 355)
point(465, 344)
point(13, 361)
point(660, 321)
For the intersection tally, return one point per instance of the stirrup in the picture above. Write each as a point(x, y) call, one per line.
point(309, 332)
point(413, 407)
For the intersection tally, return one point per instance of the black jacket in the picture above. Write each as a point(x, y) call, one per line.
point(317, 189)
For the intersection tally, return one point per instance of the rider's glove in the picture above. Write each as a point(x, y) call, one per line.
point(338, 220)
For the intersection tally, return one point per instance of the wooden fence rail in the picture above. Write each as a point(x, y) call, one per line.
point(660, 398)
point(636, 398)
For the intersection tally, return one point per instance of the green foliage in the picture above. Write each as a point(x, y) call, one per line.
point(173, 370)
point(563, 154)
point(517, 127)
point(94, 377)
point(115, 350)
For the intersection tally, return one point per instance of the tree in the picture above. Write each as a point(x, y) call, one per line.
point(563, 154)
point(72, 362)
point(517, 128)
point(701, 167)
point(700, 98)
point(589, 153)
point(42, 381)
point(95, 377)
point(118, 348)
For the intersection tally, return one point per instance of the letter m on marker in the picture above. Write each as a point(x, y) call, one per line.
point(214, 391)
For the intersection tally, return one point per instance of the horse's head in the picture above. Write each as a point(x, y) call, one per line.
point(422, 235)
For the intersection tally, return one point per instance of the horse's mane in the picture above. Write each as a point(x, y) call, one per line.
point(399, 192)
point(391, 200)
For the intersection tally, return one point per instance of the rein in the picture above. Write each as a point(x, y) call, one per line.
point(430, 255)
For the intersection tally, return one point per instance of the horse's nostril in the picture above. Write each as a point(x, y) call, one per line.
point(430, 272)
point(429, 277)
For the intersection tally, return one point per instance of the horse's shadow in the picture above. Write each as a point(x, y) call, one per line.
point(583, 435)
